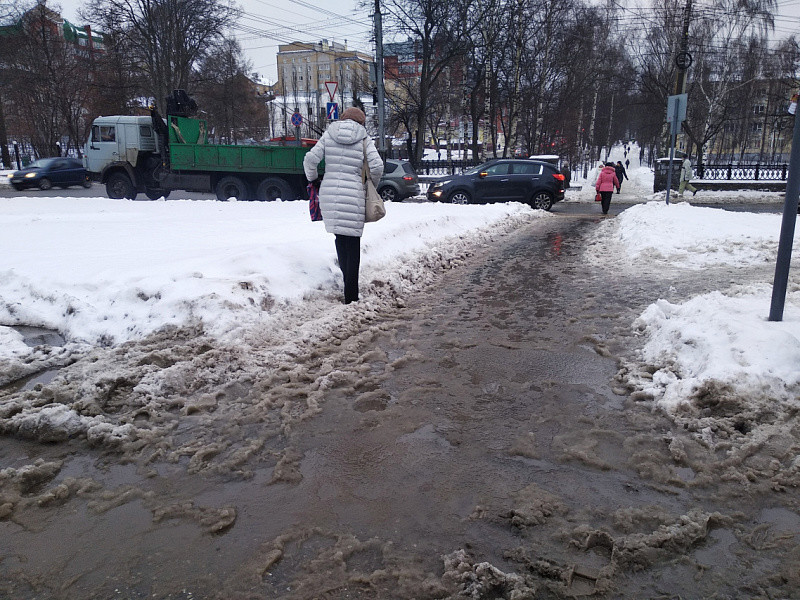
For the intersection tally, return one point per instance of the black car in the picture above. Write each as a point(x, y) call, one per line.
point(399, 181)
point(533, 182)
point(48, 172)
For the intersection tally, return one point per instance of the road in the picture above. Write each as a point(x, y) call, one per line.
point(473, 443)
point(96, 191)
point(619, 202)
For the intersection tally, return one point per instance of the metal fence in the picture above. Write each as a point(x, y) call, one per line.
point(731, 172)
point(446, 167)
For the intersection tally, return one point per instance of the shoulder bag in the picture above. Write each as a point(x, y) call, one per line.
point(374, 210)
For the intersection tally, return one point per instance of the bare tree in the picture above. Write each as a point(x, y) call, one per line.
point(167, 39)
point(10, 16)
point(227, 96)
point(731, 40)
point(440, 29)
point(47, 89)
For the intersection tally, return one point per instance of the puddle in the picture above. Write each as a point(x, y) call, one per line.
point(32, 337)
point(39, 336)
point(31, 381)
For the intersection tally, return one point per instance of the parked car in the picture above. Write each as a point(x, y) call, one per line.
point(48, 172)
point(533, 182)
point(399, 181)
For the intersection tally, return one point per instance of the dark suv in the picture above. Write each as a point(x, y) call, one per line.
point(533, 182)
point(399, 181)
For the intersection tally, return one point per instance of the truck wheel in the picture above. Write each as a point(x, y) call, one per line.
point(119, 186)
point(154, 194)
point(273, 188)
point(231, 187)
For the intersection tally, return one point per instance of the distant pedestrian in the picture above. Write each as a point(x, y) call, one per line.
point(620, 172)
point(606, 182)
point(627, 163)
point(345, 146)
point(686, 176)
point(565, 171)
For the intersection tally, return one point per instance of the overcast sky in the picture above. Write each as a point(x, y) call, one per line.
point(267, 23)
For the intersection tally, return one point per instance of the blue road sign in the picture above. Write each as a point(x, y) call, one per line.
point(297, 119)
point(333, 111)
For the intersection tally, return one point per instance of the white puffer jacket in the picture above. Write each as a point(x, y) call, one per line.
point(341, 195)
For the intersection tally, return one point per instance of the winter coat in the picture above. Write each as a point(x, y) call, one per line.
point(607, 180)
point(620, 171)
point(686, 170)
point(341, 195)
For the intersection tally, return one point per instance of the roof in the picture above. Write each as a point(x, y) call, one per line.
point(75, 32)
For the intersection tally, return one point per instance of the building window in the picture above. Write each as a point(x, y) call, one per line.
point(759, 109)
point(756, 127)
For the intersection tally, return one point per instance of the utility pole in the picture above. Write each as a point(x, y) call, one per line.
point(680, 79)
point(379, 79)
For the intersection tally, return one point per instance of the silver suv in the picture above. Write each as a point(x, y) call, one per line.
point(399, 181)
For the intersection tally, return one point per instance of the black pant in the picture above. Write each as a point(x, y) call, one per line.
point(605, 200)
point(348, 250)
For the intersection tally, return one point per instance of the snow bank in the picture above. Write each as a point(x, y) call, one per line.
point(103, 271)
point(716, 337)
point(713, 362)
point(695, 237)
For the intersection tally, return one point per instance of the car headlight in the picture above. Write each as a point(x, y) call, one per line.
point(439, 184)
point(10, 175)
point(29, 175)
point(436, 193)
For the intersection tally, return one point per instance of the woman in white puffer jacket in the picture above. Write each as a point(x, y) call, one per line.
point(341, 194)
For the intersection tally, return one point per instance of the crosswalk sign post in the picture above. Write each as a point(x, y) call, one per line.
point(332, 109)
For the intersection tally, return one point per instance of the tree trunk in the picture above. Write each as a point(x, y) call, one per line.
point(6, 156)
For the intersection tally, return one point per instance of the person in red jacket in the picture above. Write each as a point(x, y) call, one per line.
point(606, 182)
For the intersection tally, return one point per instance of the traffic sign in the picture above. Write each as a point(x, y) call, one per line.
point(683, 60)
point(297, 119)
point(676, 108)
point(332, 108)
point(331, 86)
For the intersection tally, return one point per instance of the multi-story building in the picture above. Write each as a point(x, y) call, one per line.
point(86, 42)
point(303, 70)
point(401, 60)
point(759, 129)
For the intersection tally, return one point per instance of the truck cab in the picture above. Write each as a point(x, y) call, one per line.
point(120, 145)
point(119, 139)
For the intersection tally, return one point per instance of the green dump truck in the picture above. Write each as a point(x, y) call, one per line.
point(154, 156)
